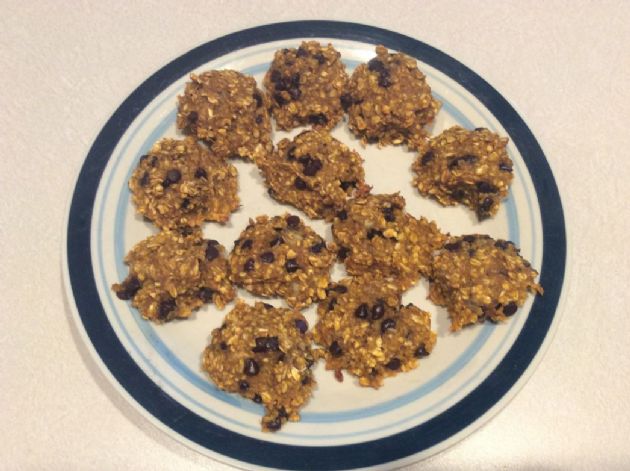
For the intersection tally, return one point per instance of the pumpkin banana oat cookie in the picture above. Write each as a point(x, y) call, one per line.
point(305, 86)
point(178, 183)
point(375, 234)
point(281, 256)
point(363, 329)
point(226, 110)
point(315, 173)
point(264, 354)
point(389, 100)
point(476, 278)
point(173, 273)
point(467, 167)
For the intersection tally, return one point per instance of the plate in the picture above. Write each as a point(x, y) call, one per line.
point(468, 377)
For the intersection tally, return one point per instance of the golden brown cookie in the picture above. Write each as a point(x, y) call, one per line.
point(476, 278)
point(389, 100)
point(173, 273)
point(178, 183)
point(264, 354)
point(315, 173)
point(363, 329)
point(375, 234)
point(226, 110)
point(281, 256)
point(305, 86)
point(467, 167)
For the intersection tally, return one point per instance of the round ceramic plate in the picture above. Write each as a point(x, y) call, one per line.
point(468, 376)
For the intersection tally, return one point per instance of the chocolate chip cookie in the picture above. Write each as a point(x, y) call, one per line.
point(227, 111)
point(173, 273)
point(305, 86)
point(389, 101)
point(264, 354)
point(282, 256)
point(315, 173)
point(466, 167)
point(363, 329)
point(178, 183)
point(477, 278)
point(376, 235)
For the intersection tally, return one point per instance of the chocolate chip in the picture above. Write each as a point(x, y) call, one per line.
point(173, 176)
point(420, 352)
point(259, 100)
point(505, 166)
point(388, 324)
point(268, 306)
point(342, 215)
point(301, 325)
point(301, 52)
point(211, 252)
point(485, 205)
point(319, 119)
point(243, 385)
point(332, 303)
point(335, 350)
point(185, 203)
point(275, 75)
point(346, 185)
point(267, 257)
point(362, 311)
point(249, 265)
point(388, 214)
point(205, 294)
point(223, 346)
point(346, 101)
point(154, 161)
point(427, 157)
point(378, 310)
point(273, 425)
point(251, 368)
point(371, 233)
point(453, 246)
point(266, 344)
point(247, 244)
point(343, 252)
point(485, 187)
point(166, 306)
point(311, 166)
point(279, 99)
point(384, 80)
point(192, 117)
point(469, 238)
point(144, 180)
point(393, 364)
point(510, 308)
point(502, 244)
point(201, 173)
point(257, 399)
point(318, 247)
point(282, 412)
point(375, 65)
point(320, 57)
point(276, 241)
point(300, 184)
point(291, 265)
point(129, 288)
point(144, 157)
point(293, 222)
point(259, 119)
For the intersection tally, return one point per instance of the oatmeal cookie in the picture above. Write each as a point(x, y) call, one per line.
point(389, 100)
point(178, 183)
point(226, 110)
point(281, 256)
point(173, 273)
point(467, 167)
point(315, 173)
point(363, 329)
point(476, 278)
point(305, 86)
point(375, 234)
point(264, 354)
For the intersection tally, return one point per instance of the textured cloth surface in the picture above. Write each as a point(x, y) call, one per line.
point(66, 66)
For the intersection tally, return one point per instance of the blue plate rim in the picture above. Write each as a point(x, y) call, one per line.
point(256, 452)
